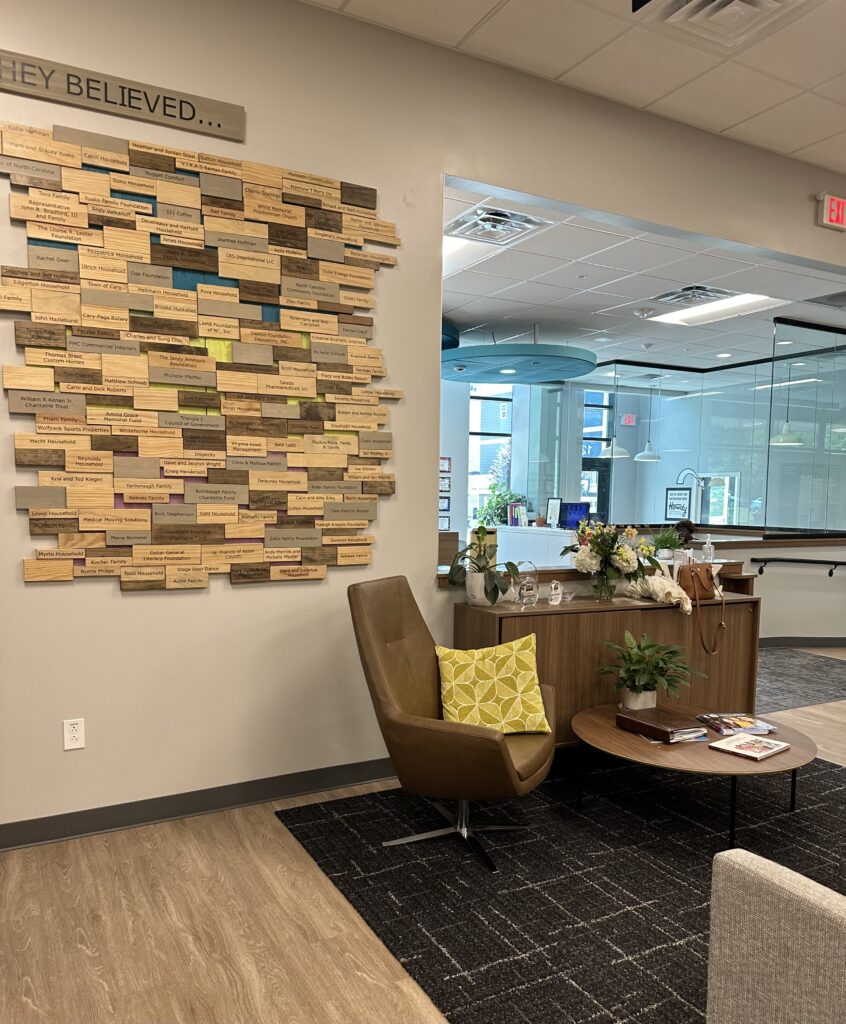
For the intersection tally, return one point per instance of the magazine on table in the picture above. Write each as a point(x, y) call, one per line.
point(731, 723)
point(754, 747)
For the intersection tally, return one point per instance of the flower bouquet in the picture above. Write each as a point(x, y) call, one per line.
point(610, 553)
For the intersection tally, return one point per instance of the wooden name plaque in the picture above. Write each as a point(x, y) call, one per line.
point(193, 379)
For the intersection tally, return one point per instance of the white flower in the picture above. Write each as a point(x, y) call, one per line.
point(586, 560)
point(624, 559)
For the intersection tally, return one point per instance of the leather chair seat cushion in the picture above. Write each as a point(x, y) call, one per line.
point(528, 752)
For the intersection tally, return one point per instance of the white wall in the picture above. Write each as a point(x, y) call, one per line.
point(191, 690)
point(455, 423)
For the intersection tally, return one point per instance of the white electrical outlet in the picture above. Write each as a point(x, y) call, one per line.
point(74, 733)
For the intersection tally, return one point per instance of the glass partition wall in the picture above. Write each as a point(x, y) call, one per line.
point(759, 445)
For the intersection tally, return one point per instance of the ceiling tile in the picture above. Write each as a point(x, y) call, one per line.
point(691, 244)
point(724, 96)
point(775, 283)
point(567, 242)
point(808, 51)
point(534, 292)
point(442, 21)
point(454, 208)
point(834, 89)
point(600, 224)
point(543, 36)
point(639, 67)
point(638, 255)
point(793, 125)
point(488, 307)
point(516, 264)
point(336, 4)
point(452, 300)
point(581, 275)
point(640, 286)
point(829, 153)
point(468, 283)
point(700, 267)
point(586, 302)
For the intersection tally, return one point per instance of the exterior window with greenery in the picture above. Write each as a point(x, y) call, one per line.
point(489, 464)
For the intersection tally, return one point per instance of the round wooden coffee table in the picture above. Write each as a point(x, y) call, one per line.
point(597, 728)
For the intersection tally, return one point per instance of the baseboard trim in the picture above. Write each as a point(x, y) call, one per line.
point(802, 641)
point(36, 831)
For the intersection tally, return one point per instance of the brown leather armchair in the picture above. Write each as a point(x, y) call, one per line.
point(433, 758)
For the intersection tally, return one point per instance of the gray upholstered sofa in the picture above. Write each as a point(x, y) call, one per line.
point(778, 946)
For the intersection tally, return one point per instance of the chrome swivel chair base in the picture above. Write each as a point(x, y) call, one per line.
point(459, 825)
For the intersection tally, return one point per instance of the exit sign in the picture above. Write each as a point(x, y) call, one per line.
point(831, 212)
point(628, 419)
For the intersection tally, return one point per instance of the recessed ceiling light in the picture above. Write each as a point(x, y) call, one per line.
point(724, 355)
point(789, 383)
point(507, 371)
point(721, 309)
point(784, 343)
point(797, 364)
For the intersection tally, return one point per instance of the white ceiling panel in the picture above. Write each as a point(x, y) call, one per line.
point(452, 300)
point(834, 89)
point(544, 37)
point(581, 275)
point(639, 68)
point(494, 308)
point(640, 286)
point(454, 208)
point(699, 268)
point(775, 283)
point(469, 283)
point(828, 153)
point(566, 241)
point(535, 293)
point(586, 302)
point(793, 125)
point(806, 52)
point(442, 21)
point(516, 264)
point(637, 255)
point(724, 96)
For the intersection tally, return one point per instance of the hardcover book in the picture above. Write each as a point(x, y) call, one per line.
point(659, 724)
point(755, 747)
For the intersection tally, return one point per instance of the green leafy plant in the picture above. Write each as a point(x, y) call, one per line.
point(666, 539)
point(494, 512)
point(646, 665)
point(480, 556)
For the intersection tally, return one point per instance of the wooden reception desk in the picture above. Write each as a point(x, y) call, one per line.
point(570, 648)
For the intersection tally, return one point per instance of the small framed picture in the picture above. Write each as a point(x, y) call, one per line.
point(443, 522)
point(444, 485)
point(677, 502)
point(443, 504)
point(553, 511)
point(445, 464)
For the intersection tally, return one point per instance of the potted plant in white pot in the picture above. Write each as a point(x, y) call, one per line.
point(476, 567)
point(644, 668)
point(666, 541)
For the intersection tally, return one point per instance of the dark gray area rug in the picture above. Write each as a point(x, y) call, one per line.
point(793, 679)
point(598, 916)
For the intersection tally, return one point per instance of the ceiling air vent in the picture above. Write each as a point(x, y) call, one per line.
point(692, 295)
point(498, 227)
point(727, 25)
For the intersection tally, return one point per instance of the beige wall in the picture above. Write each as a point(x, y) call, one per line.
point(190, 690)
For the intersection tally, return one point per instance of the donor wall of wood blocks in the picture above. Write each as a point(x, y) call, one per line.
point(196, 381)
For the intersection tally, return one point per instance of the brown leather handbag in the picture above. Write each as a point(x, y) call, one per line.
point(697, 581)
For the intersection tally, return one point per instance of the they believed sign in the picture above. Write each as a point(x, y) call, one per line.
point(63, 83)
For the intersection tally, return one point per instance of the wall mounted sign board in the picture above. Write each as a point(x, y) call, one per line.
point(112, 94)
point(831, 212)
point(168, 405)
point(677, 502)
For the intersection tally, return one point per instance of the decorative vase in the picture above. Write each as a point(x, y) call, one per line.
point(603, 588)
point(664, 555)
point(474, 583)
point(639, 701)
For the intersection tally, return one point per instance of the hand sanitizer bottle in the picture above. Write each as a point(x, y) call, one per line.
point(708, 550)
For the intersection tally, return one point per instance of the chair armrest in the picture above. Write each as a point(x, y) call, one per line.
point(548, 695)
point(450, 760)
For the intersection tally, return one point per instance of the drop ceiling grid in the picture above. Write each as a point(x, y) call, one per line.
point(786, 92)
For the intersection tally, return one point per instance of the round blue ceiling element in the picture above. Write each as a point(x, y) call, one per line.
point(516, 364)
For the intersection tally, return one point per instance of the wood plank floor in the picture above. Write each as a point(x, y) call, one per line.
point(217, 919)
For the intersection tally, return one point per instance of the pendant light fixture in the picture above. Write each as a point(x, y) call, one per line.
point(614, 450)
point(788, 438)
point(648, 455)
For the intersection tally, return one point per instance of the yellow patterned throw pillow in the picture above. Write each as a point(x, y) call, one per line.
point(494, 686)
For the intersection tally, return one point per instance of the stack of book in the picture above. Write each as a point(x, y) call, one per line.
point(736, 722)
point(663, 726)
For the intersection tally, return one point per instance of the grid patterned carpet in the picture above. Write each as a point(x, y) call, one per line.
point(595, 917)
point(793, 679)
